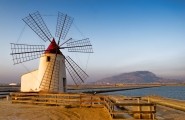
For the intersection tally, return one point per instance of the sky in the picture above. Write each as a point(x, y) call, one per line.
point(127, 35)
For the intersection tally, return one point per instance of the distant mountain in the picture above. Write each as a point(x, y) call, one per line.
point(135, 77)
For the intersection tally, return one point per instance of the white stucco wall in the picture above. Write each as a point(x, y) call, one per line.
point(42, 69)
point(28, 81)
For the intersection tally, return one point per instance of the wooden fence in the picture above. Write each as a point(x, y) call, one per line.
point(68, 100)
point(136, 110)
point(132, 107)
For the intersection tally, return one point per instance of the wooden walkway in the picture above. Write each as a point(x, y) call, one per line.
point(118, 107)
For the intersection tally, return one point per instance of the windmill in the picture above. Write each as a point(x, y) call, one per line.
point(51, 73)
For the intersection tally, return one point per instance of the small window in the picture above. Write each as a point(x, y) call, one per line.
point(48, 59)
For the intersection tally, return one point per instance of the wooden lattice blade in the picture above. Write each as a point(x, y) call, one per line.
point(63, 25)
point(83, 46)
point(76, 73)
point(37, 24)
point(23, 52)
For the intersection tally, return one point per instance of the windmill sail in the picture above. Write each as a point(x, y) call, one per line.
point(36, 23)
point(63, 25)
point(83, 46)
point(76, 73)
point(23, 52)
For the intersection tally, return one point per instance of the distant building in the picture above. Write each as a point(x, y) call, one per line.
point(13, 84)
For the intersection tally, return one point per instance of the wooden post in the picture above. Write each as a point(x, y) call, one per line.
point(91, 101)
point(149, 109)
point(80, 100)
point(56, 103)
point(104, 100)
point(153, 115)
point(148, 100)
point(69, 97)
point(139, 108)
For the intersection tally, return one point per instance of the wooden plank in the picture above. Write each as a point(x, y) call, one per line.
point(134, 104)
point(18, 101)
point(23, 94)
point(130, 112)
point(43, 94)
point(57, 99)
point(90, 101)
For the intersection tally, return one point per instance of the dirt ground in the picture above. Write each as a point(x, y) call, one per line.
point(166, 113)
point(9, 111)
point(170, 112)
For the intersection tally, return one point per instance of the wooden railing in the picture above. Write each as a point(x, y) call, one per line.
point(134, 109)
point(68, 100)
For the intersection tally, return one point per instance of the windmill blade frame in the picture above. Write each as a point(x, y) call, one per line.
point(83, 46)
point(37, 24)
point(65, 42)
point(24, 52)
point(76, 73)
point(63, 25)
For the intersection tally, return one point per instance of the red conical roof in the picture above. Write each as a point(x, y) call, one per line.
point(53, 48)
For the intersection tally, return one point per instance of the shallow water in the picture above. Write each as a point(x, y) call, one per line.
point(175, 92)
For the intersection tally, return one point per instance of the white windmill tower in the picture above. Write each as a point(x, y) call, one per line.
point(51, 74)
